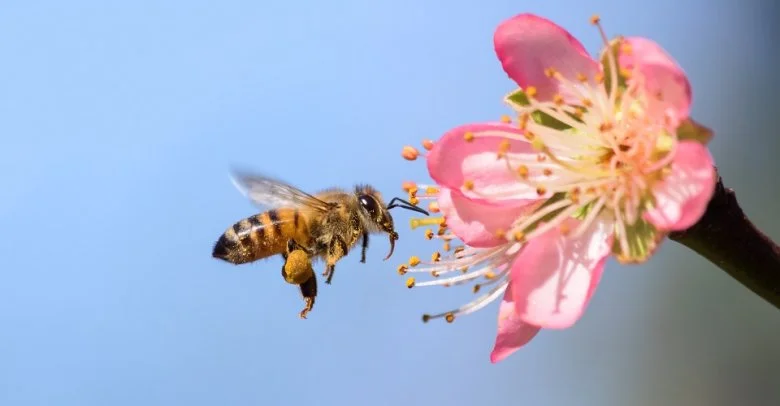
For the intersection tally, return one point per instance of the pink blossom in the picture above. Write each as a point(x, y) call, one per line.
point(595, 165)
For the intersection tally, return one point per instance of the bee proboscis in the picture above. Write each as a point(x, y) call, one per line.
point(302, 227)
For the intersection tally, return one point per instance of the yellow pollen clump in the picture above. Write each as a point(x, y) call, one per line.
point(541, 190)
point(468, 184)
point(450, 317)
point(414, 200)
point(410, 153)
point(599, 78)
point(490, 275)
point(530, 91)
point(500, 233)
point(547, 171)
point(431, 190)
point(506, 119)
point(402, 269)
point(558, 100)
point(428, 234)
point(468, 136)
point(595, 19)
point(427, 144)
point(410, 283)
point(550, 72)
point(530, 136)
point(475, 289)
point(426, 318)
point(564, 229)
point(414, 260)
point(587, 102)
point(522, 170)
point(436, 256)
point(581, 77)
point(446, 246)
point(503, 148)
point(408, 186)
point(518, 236)
point(433, 207)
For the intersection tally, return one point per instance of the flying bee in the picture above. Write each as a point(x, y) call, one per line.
point(302, 227)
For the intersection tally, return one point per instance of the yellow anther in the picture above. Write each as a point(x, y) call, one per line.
point(547, 172)
point(595, 19)
point(522, 170)
point(431, 190)
point(530, 91)
point(436, 256)
point(529, 135)
point(426, 318)
point(541, 190)
point(625, 73)
point(490, 275)
point(410, 283)
point(582, 78)
point(475, 288)
point(402, 269)
point(435, 274)
point(626, 48)
point(564, 229)
point(522, 121)
point(427, 144)
point(500, 233)
point(408, 185)
point(550, 72)
point(433, 207)
point(506, 119)
point(412, 191)
point(558, 100)
point(441, 231)
point(468, 136)
point(468, 184)
point(425, 221)
point(587, 102)
point(450, 317)
point(503, 148)
point(429, 234)
point(414, 200)
point(541, 158)
point(599, 78)
point(410, 153)
point(579, 112)
point(518, 236)
point(446, 246)
point(465, 269)
point(606, 126)
point(414, 260)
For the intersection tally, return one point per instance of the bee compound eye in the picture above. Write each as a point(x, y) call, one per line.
point(369, 204)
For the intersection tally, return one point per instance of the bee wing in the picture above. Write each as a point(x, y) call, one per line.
point(272, 193)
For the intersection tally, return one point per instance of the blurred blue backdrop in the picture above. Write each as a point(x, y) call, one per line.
point(119, 121)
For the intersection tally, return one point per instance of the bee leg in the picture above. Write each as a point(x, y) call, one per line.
point(293, 245)
point(309, 292)
point(365, 248)
point(336, 250)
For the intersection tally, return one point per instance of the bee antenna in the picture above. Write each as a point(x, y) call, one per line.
point(398, 202)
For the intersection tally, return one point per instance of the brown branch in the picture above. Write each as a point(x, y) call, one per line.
point(726, 237)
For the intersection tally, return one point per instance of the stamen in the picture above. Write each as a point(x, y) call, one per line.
point(427, 144)
point(410, 153)
point(470, 307)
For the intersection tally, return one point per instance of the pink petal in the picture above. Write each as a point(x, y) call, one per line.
point(477, 223)
point(554, 276)
point(527, 44)
point(682, 197)
point(453, 160)
point(513, 333)
point(662, 77)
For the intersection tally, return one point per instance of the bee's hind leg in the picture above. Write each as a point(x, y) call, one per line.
point(336, 250)
point(309, 292)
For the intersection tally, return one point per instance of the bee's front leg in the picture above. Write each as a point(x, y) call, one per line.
point(337, 249)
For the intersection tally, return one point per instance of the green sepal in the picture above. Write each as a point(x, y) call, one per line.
point(691, 130)
point(642, 240)
point(518, 98)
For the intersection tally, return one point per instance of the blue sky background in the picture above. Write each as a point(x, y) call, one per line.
point(119, 121)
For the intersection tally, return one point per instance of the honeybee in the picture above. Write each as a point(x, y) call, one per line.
point(303, 227)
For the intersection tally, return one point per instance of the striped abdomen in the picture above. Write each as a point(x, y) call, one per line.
point(261, 236)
